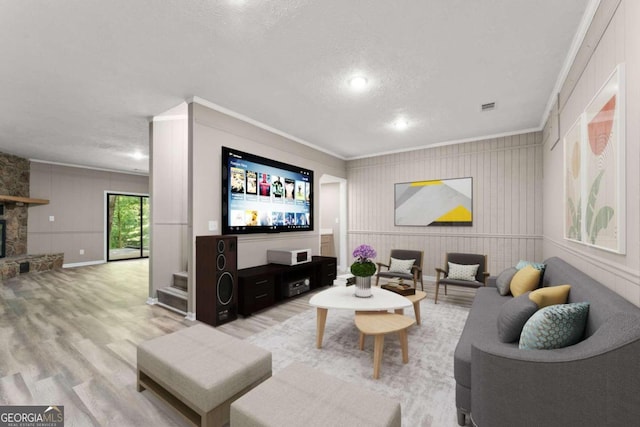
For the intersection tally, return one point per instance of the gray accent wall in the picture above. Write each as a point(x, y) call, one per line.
point(613, 38)
point(507, 201)
point(77, 203)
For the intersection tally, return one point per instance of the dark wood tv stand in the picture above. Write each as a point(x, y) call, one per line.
point(264, 285)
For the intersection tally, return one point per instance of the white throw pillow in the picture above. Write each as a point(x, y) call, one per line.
point(463, 272)
point(401, 265)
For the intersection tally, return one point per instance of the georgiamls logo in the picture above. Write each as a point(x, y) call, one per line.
point(32, 416)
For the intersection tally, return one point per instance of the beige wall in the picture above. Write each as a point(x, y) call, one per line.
point(331, 203)
point(77, 203)
point(210, 130)
point(507, 201)
point(330, 208)
point(613, 38)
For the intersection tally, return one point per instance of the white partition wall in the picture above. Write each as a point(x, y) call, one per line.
point(168, 177)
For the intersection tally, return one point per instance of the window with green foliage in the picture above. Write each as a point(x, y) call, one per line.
point(128, 226)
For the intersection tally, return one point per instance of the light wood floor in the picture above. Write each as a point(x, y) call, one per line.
point(69, 337)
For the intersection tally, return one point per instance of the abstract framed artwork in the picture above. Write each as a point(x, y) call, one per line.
point(594, 150)
point(442, 202)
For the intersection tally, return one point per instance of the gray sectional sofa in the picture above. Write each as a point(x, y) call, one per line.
point(593, 383)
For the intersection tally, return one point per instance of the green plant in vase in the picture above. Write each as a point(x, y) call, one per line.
point(363, 268)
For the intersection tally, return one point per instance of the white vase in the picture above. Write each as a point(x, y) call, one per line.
point(363, 286)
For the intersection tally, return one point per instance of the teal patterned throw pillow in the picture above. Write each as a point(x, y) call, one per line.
point(555, 326)
point(537, 265)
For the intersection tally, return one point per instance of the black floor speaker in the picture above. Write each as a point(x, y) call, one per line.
point(216, 279)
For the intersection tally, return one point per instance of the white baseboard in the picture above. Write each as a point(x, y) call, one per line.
point(191, 316)
point(83, 264)
point(152, 301)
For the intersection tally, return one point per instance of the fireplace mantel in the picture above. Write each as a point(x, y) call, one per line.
point(25, 200)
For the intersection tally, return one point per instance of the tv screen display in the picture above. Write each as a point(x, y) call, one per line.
point(261, 195)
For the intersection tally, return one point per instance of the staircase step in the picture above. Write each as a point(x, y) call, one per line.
point(173, 297)
point(180, 280)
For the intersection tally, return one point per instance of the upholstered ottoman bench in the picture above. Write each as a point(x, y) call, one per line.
point(200, 371)
point(302, 396)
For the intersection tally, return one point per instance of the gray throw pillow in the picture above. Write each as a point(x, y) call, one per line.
point(513, 315)
point(504, 280)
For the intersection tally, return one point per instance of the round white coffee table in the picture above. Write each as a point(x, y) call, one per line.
point(343, 298)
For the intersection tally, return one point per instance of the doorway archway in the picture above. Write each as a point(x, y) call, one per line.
point(338, 216)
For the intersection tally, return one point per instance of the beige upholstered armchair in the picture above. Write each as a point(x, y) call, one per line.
point(460, 270)
point(400, 266)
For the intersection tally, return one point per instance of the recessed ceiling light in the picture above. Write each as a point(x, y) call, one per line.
point(358, 82)
point(400, 124)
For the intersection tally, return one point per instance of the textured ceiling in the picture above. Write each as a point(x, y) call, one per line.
point(80, 79)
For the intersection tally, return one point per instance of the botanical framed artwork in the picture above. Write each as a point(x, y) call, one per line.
point(573, 181)
point(442, 202)
point(594, 150)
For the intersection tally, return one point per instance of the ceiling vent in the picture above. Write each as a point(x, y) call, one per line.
point(488, 106)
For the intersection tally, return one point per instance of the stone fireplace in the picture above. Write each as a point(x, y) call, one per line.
point(15, 229)
point(3, 237)
point(14, 211)
point(14, 181)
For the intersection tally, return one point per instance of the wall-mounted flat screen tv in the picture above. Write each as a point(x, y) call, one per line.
point(261, 195)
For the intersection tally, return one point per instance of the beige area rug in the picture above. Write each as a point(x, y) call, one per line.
point(425, 386)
